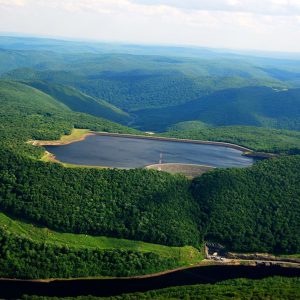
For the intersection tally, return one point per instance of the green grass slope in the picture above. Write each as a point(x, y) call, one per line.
point(184, 255)
point(38, 238)
point(26, 259)
point(78, 101)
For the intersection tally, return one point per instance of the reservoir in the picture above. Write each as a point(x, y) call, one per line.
point(127, 152)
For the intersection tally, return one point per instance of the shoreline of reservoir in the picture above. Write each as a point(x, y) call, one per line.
point(170, 139)
point(126, 151)
point(81, 134)
point(251, 263)
point(188, 170)
point(65, 140)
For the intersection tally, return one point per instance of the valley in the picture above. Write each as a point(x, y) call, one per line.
point(64, 214)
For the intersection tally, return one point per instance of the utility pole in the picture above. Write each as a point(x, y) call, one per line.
point(160, 161)
point(160, 158)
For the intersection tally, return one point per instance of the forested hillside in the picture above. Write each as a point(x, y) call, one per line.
point(111, 202)
point(146, 205)
point(80, 102)
point(255, 106)
point(136, 204)
point(27, 113)
point(153, 92)
point(29, 251)
point(134, 82)
point(161, 82)
point(251, 209)
point(255, 138)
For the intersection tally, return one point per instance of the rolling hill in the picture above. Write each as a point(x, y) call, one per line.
point(28, 113)
point(70, 222)
point(254, 106)
point(152, 92)
point(256, 138)
point(34, 245)
point(78, 101)
point(135, 82)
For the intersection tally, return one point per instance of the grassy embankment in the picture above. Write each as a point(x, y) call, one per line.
point(188, 170)
point(291, 256)
point(184, 255)
point(75, 136)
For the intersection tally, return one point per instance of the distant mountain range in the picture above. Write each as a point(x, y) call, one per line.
point(153, 87)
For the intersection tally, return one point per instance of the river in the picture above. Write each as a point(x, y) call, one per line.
point(110, 287)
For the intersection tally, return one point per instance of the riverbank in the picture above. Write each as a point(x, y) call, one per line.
point(111, 287)
point(229, 262)
point(184, 255)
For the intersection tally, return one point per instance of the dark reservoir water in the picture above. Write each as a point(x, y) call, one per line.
point(110, 287)
point(121, 152)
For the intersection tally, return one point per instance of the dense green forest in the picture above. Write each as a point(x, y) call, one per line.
point(101, 208)
point(251, 209)
point(159, 90)
point(27, 113)
point(277, 288)
point(131, 88)
point(22, 258)
point(146, 205)
point(49, 115)
point(80, 102)
point(255, 138)
point(254, 106)
point(164, 91)
point(136, 204)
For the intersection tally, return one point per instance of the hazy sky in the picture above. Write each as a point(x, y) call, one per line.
point(250, 24)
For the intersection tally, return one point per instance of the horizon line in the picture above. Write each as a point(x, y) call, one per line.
point(245, 51)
